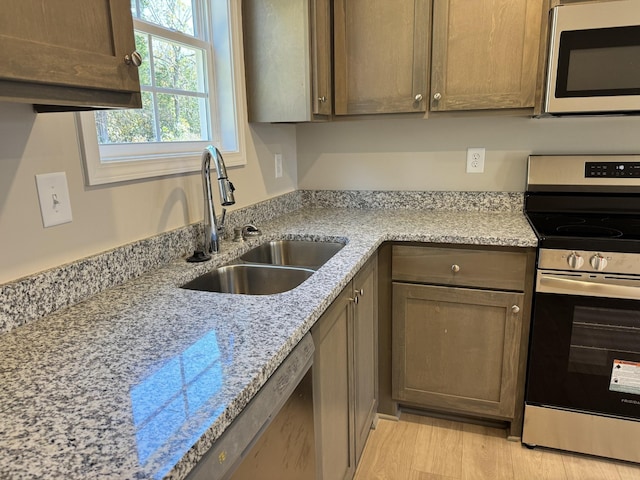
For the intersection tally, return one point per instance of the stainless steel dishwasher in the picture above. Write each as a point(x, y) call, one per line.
point(273, 437)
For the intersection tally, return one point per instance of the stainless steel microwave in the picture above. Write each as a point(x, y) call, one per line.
point(594, 58)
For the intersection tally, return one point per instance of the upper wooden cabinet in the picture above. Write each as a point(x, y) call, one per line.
point(321, 50)
point(485, 54)
point(68, 53)
point(381, 56)
point(287, 51)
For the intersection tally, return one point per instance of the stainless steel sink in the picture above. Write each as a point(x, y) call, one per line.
point(250, 279)
point(300, 253)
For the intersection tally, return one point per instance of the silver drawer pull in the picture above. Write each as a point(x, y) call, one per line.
point(515, 308)
point(455, 268)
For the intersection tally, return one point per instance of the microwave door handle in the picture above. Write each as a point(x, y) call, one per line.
point(552, 284)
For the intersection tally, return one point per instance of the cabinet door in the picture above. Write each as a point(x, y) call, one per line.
point(365, 348)
point(485, 54)
point(321, 56)
point(456, 349)
point(68, 43)
point(287, 55)
point(331, 390)
point(381, 53)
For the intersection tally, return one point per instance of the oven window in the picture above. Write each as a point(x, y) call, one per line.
point(596, 333)
point(599, 62)
point(576, 344)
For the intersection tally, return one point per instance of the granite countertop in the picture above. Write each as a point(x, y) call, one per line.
point(139, 381)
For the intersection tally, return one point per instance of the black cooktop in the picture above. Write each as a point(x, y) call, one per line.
point(585, 221)
point(585, 202)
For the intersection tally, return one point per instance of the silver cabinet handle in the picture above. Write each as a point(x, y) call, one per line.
point(437, 96)
point(455, 268)
point(322, 99)
point(515, 308)
point(134, 59)
point(355, 299)
point(418, 97)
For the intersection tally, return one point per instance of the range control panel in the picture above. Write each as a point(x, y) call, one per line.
point(612, 170)
point(589, 261)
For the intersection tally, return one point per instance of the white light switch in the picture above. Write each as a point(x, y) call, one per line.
point(53, 193)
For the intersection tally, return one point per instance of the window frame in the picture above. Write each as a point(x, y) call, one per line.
point(125, 162)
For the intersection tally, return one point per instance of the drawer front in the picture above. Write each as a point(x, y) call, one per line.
point(503, 270)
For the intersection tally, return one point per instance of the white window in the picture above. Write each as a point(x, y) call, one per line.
point(192, 95)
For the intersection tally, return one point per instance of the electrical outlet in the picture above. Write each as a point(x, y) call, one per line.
point(475, 160)
point(53, 193)
point(278, 159)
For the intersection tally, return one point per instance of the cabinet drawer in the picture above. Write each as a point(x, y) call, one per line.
point(503, 270)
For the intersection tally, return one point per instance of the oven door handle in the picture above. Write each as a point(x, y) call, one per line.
point(553, 284)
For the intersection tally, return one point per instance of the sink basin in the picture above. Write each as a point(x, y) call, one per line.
point(300, 253)
point(250, 279)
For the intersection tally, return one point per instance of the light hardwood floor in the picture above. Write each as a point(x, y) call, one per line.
point(425, 448)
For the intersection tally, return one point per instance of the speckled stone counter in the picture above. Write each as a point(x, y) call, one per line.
point(138, 381)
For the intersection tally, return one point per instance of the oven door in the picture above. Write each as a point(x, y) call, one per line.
point(585, 343)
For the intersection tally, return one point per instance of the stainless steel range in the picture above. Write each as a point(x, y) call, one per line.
point(583, 383)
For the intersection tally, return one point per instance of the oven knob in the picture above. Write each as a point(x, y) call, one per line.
point(598, 262)
point(574, 260)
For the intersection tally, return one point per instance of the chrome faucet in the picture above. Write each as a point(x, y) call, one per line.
point(212, 227)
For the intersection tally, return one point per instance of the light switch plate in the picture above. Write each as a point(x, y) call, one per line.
point(53, 193)
point(278, 165)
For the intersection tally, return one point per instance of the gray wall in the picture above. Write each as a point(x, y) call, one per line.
point(430, 154)
point(111, 215)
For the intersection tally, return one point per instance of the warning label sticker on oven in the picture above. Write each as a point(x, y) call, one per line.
point(625, 377)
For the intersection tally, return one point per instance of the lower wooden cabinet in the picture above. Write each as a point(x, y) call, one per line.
point(345, 375)
point(365, 353)
point(456, 349)
point(459, 329)
point(331, 386)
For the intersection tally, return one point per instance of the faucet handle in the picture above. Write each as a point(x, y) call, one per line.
point(220, 224)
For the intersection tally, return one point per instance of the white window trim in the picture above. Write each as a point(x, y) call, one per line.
point(174, 158)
